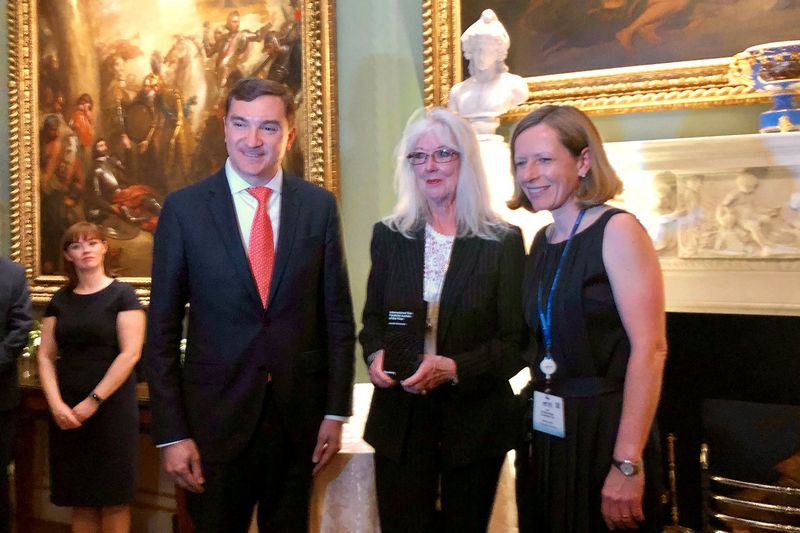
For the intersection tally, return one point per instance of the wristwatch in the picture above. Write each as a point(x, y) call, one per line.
point(96, 397)
point(371, 357)
point(629, 468)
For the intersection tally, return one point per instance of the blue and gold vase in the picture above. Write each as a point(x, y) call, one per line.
point(775, 69)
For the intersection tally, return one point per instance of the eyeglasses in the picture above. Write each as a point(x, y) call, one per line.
point(445, 155)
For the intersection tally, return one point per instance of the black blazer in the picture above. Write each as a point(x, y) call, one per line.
point(481, 327)
point(303, 342)
point(15, 324)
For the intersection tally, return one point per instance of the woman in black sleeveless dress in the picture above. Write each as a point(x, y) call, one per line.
point(92, 337)
point(594, 302)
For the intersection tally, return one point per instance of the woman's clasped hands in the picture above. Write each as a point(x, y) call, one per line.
point(67, 417)
point(434, 370)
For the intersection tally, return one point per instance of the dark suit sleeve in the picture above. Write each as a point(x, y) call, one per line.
point(339, 318)
point(18, 320)
point(371, 336)
point(501, 354)
point(169, 293)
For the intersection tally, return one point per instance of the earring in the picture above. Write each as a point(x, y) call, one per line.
point(582, 176)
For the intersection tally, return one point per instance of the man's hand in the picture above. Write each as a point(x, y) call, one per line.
point(329, 442)
point(182, 462)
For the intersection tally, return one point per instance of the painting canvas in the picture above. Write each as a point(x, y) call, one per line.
point(129, 103)
point(612, 56)
point(561, 36)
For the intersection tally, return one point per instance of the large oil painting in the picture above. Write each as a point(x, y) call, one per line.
point(558, 36)
point(618, 55)
point(116, 103)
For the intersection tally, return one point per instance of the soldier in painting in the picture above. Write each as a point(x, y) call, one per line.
point(82, 123)
point(231, 49)
point(136, 205)
point(61, 182)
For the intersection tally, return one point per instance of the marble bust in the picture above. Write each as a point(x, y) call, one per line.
point(490, 90)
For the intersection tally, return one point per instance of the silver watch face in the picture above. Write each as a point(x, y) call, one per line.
point(627, 468)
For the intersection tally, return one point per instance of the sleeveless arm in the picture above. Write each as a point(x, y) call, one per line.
point(636, 282)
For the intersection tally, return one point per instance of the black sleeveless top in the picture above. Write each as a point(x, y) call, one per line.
point(588, 339)
point(591, 348)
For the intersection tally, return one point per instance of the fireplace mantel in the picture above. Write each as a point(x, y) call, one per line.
point(724, 213)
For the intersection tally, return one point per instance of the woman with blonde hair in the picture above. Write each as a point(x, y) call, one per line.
point(92, 335)
point(594, 302)
point(442, 433)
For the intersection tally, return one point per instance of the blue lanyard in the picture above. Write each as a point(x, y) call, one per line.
point(546, 321)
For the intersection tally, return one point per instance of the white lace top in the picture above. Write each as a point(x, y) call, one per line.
point(437, 259)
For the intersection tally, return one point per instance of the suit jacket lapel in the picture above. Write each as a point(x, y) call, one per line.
point(290, 210)
point(220, 203)
point(412, 259)
point(462, 261)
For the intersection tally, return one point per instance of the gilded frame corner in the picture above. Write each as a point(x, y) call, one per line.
point(321, 150)
point(681, 85)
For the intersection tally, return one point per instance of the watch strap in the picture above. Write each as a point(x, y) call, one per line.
point(94, 396)
point(629, 468)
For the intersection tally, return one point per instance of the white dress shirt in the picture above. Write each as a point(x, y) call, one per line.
point(246, 204)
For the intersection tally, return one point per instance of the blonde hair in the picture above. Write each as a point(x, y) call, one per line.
point(474, 214)
point(575, 131)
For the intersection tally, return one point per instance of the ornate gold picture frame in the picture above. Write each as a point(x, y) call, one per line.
point(49, 82)
point(636, 88)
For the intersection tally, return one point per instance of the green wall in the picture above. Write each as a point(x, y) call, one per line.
point(380, 85)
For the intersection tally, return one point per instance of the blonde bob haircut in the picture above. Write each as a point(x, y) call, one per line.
point(474, 214)
point(575, 131)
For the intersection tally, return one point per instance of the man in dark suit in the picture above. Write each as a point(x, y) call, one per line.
point(15, 323)
point(258, 403)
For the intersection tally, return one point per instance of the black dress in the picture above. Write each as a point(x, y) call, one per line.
point(95, 464)
point(559, 491)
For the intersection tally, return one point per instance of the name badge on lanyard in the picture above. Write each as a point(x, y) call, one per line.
point(548, 410)
point(548, 414)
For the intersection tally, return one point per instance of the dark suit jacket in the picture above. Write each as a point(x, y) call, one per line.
point(303, 342)
point(15, 324)
point(481, 327)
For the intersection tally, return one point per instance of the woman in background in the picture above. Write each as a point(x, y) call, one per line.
point(594, 301)
point(92, 336)
point(441, 435)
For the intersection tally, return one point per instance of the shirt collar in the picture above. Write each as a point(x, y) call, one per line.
point(237, 183)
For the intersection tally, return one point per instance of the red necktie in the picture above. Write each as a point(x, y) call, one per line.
point(261, 249)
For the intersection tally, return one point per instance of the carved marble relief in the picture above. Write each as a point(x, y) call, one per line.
point(731, 213)
point(724, 215)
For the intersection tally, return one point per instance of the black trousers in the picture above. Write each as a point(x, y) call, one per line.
point(8, 432)
point(270, 472)
point(417, 494)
